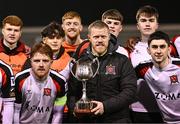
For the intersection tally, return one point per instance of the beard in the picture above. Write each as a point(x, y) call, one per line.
point(72, 40)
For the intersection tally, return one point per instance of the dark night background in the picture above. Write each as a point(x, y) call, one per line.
point(41, 12)
point(38, 13)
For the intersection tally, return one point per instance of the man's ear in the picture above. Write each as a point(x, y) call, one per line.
point(137, 25)
point(88, 36)
point(148, 50)
point(81, 28)
point(44, 39)
point(2, 30)
point(169, 50)
point(121, 28)
point(62, 25)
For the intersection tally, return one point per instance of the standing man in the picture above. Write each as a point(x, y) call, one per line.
point(145, 110)
point(162, 75)
point(71, 24)
point(114, 19)
point(37, 88)
point(53, 35)
point(12, 50)
point(113, 89)
point(7, 94)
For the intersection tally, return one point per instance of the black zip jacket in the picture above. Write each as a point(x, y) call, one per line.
point(114, 85)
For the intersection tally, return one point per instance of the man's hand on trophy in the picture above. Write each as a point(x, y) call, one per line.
point(98, 109)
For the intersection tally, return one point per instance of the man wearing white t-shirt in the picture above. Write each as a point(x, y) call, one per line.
point(37, 88)
point(162, 75)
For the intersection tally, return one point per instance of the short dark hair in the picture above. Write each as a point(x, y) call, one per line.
point(112, 14)
point(43, 49)
point(52, 30)
point(157, 36)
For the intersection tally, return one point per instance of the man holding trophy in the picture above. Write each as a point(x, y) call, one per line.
point(103, 82)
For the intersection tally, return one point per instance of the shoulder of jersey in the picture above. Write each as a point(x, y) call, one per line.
point(22, 72)
point(57, 74)
point(2, 63)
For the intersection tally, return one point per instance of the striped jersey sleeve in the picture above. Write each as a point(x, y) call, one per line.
point(6, 81)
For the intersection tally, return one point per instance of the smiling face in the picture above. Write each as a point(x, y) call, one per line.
point(72, 28)
point(53, 42)
point(11, 33)
point(159, 51)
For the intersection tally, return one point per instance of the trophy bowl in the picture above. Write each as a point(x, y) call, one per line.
point(83, 70)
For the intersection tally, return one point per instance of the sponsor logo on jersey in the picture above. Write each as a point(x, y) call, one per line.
point(110, 69)
point(47, 91)
point(39, 109)
point(174, 79)
point(169, 96)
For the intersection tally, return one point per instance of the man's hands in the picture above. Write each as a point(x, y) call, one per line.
point(99, 109)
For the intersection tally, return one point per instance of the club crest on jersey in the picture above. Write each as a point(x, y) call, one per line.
point(110, 69)
point(12, 92)
point(174, 79)
point(47, 91)
point(28, 92)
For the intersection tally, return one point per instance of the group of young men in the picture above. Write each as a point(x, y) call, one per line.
point(137, 83)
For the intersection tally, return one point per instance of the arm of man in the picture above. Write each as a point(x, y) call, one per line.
point(127, 91)
point(61, 98)
point(73, 95)
point(7, 93)
point(18, 101)
point(17, 108)
point(8, 112)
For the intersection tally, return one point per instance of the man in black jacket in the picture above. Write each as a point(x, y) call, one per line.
point(113, 88)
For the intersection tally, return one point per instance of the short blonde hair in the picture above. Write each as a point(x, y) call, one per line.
point(71, 15)
point(97, 24)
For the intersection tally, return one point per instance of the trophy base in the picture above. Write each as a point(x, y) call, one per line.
point(82, 112)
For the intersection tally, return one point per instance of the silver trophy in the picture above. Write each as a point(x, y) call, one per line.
point(84, 70)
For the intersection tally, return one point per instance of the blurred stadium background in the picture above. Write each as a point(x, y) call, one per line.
point(38, 13)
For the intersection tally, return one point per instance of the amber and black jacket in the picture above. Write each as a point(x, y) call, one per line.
point(59, 63)
point(15, 57)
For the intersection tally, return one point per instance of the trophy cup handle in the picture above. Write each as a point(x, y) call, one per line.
point(71, 63)
point(96, 60)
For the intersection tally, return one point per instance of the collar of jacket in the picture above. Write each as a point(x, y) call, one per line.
point(20, 48)
point(61, 51)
